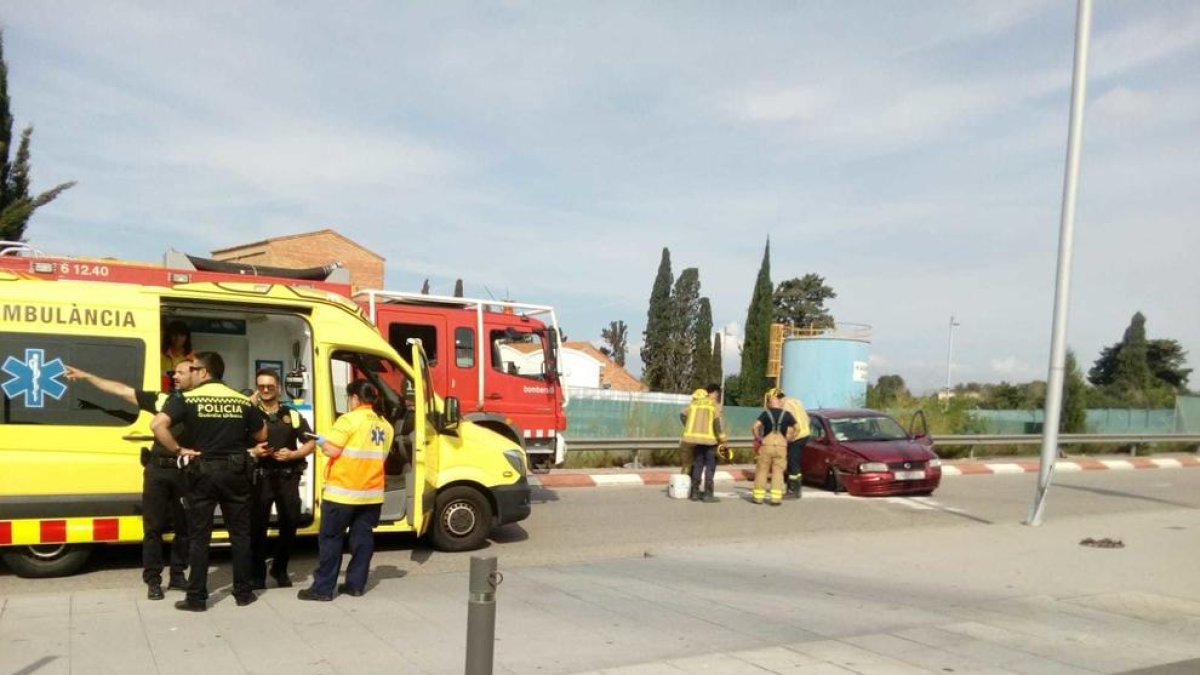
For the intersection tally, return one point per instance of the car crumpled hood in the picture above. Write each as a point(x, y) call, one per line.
point(890, 451)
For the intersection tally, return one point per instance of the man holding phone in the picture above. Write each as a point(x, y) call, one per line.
point(281, 464)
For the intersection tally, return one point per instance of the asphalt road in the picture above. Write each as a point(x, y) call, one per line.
point(586, 524)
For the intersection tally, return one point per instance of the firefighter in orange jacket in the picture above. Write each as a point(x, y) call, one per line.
point(357, 447)
point(702, 430)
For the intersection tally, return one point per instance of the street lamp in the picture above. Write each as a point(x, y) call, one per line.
point(949, 353)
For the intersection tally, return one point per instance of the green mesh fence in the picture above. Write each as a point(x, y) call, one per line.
point(1187, 414)
point(621, 415)
point(1099, 421)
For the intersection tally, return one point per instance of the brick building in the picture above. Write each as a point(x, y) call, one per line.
point(311, 249)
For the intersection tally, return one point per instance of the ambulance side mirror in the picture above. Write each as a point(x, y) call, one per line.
point(451, 415)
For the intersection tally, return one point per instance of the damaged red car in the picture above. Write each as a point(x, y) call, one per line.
point(866, 452)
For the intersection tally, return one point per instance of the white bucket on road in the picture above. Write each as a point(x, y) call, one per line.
point(679, 485)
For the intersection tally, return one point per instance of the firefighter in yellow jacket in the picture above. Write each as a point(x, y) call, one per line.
point(357, 447)
point(795, 446)
point(772, 431)
point(703, 431)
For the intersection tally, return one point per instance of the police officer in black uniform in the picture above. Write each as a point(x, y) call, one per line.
point(221, 424)
point(162, 483)
point(281, 464)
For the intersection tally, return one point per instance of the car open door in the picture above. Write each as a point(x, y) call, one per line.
point(425, 439)
point(918, 429)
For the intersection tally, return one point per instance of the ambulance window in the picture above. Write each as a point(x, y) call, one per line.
point(517, 353)
point(464, 347)
point(399, 333)
point(393, 383)
point(35, 389)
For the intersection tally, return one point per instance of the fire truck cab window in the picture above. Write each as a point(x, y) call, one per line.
point(517, 353)
point(399, 334)
point(37, 391)
point(464, 347)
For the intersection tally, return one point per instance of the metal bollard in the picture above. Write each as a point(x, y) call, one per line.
point(481, 615)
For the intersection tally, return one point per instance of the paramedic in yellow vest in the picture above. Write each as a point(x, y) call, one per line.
point(357, 447)
point(703, 431)
point(795, 447)
point(773, 428)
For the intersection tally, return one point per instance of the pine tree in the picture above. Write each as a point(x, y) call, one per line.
point(657, 335)
point(702, 356)
point(16, 206)
point(752, 379)
point(685, 312)
point(1131, 378)
point(1074, 405)
point(801, 302)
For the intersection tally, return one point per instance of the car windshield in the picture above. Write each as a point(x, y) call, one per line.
point(874, 428)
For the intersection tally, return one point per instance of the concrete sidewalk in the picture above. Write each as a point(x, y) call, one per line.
point(565, 478)
point(965, 599)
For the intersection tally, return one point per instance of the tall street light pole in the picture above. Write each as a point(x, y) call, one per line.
point(950, 353)
point(1062, 281)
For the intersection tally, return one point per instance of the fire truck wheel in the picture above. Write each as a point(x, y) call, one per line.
point(47, 560)
point(463, 519)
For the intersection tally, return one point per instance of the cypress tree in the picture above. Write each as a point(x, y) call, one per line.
point(16, 206)
point(685, 312)
point(656, 337)
point(702, 356)
point(1074, 406)
point(1131, 378)
point(718, 365)
point(752, 379)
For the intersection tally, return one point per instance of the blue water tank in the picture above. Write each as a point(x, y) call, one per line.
point(828, 368)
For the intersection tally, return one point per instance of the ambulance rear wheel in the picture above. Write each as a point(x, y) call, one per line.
point(463, 519)
point(46, 560)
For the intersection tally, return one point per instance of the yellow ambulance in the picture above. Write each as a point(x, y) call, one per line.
point(70, 476)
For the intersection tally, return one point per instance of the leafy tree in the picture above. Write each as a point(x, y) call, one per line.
point(801, 302)
point(657, 336)
point(1074, 404)
point(702, 362)
point(752, 378)
point(685, 312)
point(1124, 375)
point(617, 338)
point(1003, 396)
point(887, 392)
point(16, 205)
point(1165, 357)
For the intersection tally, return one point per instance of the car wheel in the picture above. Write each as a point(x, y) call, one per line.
point(48, 560)
point(833, 480)
point(463, 519)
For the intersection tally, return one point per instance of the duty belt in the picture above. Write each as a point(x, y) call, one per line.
point(164, 462)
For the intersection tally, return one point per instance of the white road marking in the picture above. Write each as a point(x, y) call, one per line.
point(1167, 463)
point(610, 479)
point(1067, 467)
point(1117, 464)
point(1006, 468)
point(951, 471)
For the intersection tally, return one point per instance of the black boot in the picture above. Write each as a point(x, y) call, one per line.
point(709, 497)
point(793, 489)
point(694, 492)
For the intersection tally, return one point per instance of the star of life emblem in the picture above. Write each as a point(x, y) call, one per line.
point(34, 378)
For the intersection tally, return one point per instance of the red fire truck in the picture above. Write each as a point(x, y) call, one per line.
point(499, 358)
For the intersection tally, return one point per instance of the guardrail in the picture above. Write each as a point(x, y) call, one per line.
point(628, 444)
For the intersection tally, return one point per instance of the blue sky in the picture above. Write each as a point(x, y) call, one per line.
point(910, 152)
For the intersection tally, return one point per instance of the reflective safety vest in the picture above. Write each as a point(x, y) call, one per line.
point(794, 406)
point(701, 418)
point(356, 475)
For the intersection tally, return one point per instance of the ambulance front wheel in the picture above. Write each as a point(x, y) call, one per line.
point(46, 560)
point(463, 519)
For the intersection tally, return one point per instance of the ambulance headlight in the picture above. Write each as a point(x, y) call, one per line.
point(517, 459)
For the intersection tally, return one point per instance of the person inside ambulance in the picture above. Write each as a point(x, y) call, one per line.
point(162, 482)
point(176, 348)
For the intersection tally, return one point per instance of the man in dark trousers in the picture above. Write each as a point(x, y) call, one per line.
point(222, 425)
point(277, 478)
point(162, 482)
